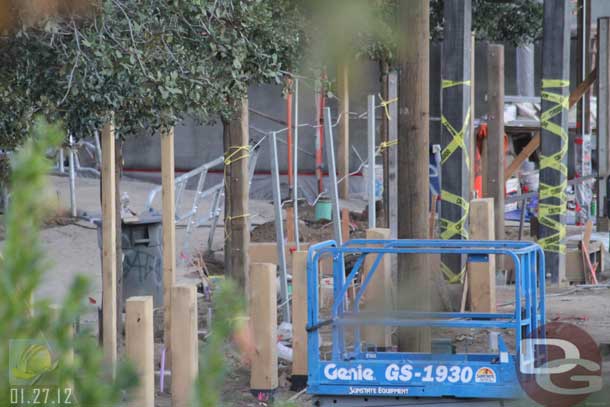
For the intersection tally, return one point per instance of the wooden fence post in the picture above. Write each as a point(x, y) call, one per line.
point(299, 320)
point(263, 319)
point(109, 246)
point(184, 350)
point(140, 348)
point(481, 274)
point(169, 232)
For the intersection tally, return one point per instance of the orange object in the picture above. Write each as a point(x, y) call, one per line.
point(477, 168)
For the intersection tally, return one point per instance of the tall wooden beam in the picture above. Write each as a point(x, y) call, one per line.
point(299, 320)
point(169, 229)
point(554, 136)
point(237, 189)
point(603, 119)
point(494, 182)
point(109, 303)
point(455, 133)
point(413, 182)
point(343, 150)
point(482, 274)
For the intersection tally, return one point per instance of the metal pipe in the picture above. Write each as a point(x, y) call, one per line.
point(295, 188)
point(370, 181)
point(72, 178)
point(279, 228)
point(332, 175)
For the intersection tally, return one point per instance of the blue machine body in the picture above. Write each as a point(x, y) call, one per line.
point(354, 369)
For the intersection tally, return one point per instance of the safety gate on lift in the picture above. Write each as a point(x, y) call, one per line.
point(351, 368)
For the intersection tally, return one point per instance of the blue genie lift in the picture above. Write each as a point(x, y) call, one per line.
point(353, 374)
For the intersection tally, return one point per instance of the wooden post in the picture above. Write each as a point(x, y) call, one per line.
point(109, 246)
point(455, 132)
point(482, 274)
point(185, 350)
point(169, 231)
point(413, 183)
point(554, 136)
point(494, 182)
point(378, 293)
point(299, 320)
point(472, 152)
point(237, 189)
point(140, 348)
point(263, 319)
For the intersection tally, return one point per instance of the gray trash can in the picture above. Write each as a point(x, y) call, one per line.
point(142, 257)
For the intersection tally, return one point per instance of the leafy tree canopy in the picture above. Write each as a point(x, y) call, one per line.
point(151, 62)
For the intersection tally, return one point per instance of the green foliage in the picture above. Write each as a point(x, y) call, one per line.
point(151, 62)
point(516, 22)
point(49, 359)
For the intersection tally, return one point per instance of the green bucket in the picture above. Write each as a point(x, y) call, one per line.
point(324, 210)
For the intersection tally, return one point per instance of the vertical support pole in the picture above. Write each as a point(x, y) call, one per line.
point(299, 320)
point(554, 136)
point(139, 343)
point(603, 120)
point(295, 189)
point(290, 169)
point(370, 181)
point(455, 133)
point(185, 350)
point(482, 274)
point(279, 227)
point(60, 160)
point(237, 189)
point(320, 136)
point(343, 150)
point(72, 178)
point(473, 144)
point(495, 144)
point(378, 293)
point(263, 319)
point(332, 175)
point(169, 229)
point(392, 153)
point(413, 165)
point(109, 246)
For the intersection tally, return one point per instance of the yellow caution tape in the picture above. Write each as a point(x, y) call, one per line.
point(458, 139)
point(385, 104)
point(388, 144)
point(449, 84)
point(452, 278)
point(452, 229)
point(546, 211)
point(233, 151)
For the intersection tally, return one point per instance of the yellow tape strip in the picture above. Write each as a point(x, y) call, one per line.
point(452, 278)
point(458, 139)
point(448, 84)
point(546, 211)
point(233, 151)
point(385, 104)
point(451, 229)
point(388, 144)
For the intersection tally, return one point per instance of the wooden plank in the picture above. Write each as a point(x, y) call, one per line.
point(289, 223)
point(140, 348)
point(299, 319)
point(266, 252)
point(185, 348)
point(553, 137)
point(482, 275)
point(345, 220)
point(413, 162)
point(495, 163)
point(455, 133)
point(237, 189)
point(378, 293)
point(168, 193)
point(263, 319)
point(109, 246)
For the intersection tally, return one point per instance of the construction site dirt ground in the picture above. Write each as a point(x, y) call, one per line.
point(72, 248)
